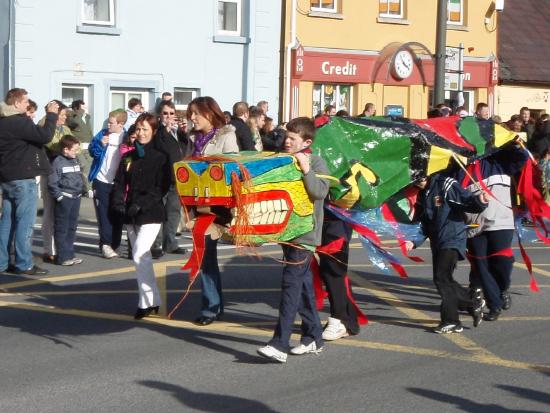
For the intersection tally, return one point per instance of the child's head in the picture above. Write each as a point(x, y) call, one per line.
point(69, 146)
point(117, 119)
point(300, 134)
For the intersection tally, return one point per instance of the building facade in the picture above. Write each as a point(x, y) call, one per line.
point(524, 57)
point(108, 51)
point(350, 52)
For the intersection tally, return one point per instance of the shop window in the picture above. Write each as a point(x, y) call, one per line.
point(324, 5)
point(330, 94)
point(182, 97)
point(455, 12)
point(119, 97)
point(98, 12)
point(392, 9)
point(229, 17)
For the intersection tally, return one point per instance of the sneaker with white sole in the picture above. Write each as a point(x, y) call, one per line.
point(77, 260)
point(108, 252)
point(272, 353)
point(311, 348)
point(334, 330)
point(448, 328)
point(66, 263)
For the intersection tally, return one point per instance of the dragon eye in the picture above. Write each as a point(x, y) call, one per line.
point(182, 175)
point(216, 173)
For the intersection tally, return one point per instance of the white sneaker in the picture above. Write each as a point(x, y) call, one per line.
point(272, 353)
point(77, 260)
point(311, 348)
point(334, 330)
point(108, 252)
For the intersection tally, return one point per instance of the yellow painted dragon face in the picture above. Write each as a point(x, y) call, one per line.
point(273, 207)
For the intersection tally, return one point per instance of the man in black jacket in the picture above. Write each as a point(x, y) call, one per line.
point(243, 132)
point(172, 140)
point(22, 158)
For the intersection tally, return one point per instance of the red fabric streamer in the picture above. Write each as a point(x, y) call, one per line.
point(533, 282)
point(320, 293)
point(507, 252)
point(388, 216)
point(361, 317)
point(195, 260)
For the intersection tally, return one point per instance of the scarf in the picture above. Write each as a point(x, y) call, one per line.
point(202, 140)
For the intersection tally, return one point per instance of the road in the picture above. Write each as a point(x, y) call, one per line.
point(70, 343)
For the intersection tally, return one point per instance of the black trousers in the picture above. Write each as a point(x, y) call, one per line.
point(453, 295)
point(110, 223)
point(333, 272)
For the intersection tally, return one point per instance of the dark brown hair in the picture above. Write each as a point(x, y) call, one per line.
point(302, 126)
point(150, 119)
point(208, 108)
point(68, 141)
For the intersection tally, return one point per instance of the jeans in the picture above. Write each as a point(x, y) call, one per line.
point(297, 297)
point(110, 223)
point(493, 274)
point(211, 283)
point(453, 295)
point(66, 222)
point(18, 218)
point(166, 239)
point(48, 204)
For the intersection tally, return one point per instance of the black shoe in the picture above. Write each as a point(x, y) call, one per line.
point(49, 259)
point(31, 271)
point(157, 253)
point(506, 300)
point(179, 250)
point(477, 311)
point(492, 315)
point(145, 312)
point(204, 320)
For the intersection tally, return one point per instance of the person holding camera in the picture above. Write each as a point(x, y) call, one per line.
point(141, 182)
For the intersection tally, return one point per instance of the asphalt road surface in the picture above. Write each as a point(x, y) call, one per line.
point(70, 344)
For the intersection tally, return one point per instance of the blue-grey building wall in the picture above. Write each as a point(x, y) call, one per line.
point(157, 46)
point(5, 39)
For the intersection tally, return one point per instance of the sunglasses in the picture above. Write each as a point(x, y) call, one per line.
point(168, 113)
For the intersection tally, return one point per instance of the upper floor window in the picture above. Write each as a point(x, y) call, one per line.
point(183, 96)
point(391, 8)
point(229, 17)
point(324, 5)
point(98, 12)
point(455, 12)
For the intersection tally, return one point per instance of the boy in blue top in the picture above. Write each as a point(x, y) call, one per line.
point(65, 185)
point(441, 205)
point(297, 281)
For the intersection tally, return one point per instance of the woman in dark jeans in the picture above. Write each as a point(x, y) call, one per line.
point(210, 136)
point(142, 180)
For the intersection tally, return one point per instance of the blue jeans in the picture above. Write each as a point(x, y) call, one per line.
point(110, 223)
point(211, 283)
point(18, 218)
point(297, 297)
point(65, 224)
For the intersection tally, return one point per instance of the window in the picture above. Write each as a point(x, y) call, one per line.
point(328, 94)
point(323, 5)
point(455, 12)
point(98, 12)
point(70, 93)
point(120, 97)
point(182, 97)
point(229, 17)
point(391, 8)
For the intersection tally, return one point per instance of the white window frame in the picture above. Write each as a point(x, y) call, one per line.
point(389, 15)
point(194, 94)
point(236, 32)
point(86, 94)
point(336, 102)
point(111, 21)
point(143, 92)
point(459, 23)
point(333, 9)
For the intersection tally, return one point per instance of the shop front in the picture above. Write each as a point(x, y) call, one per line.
point(398, 82)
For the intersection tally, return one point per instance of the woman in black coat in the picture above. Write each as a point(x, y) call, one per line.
point(142, 180)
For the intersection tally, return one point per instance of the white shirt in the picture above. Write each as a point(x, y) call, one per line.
point(111, 160)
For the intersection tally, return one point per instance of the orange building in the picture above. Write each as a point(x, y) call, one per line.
point(350, 52)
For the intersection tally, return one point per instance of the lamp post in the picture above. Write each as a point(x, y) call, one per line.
point(440, 53)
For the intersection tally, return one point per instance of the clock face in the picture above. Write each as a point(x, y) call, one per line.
point(403, 64)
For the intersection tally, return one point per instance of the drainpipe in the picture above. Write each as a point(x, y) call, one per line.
point(11, 51)
point(288, 69)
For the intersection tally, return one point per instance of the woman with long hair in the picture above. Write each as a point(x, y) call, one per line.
point(141, 182)
point(210, 136)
